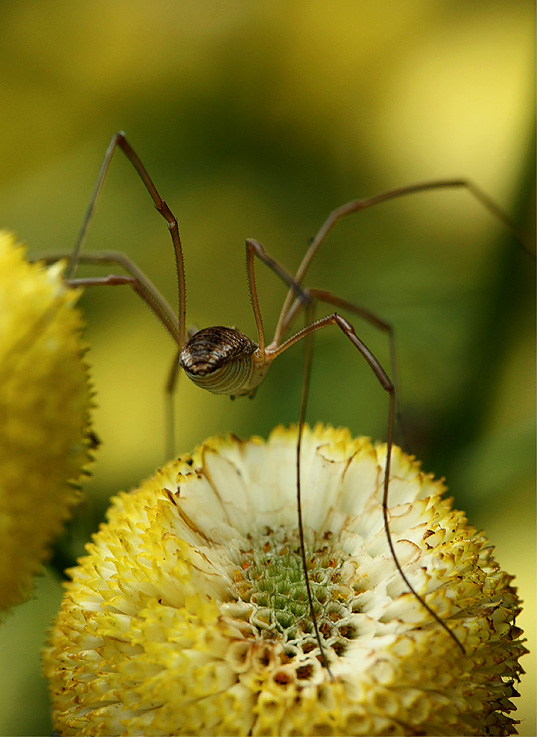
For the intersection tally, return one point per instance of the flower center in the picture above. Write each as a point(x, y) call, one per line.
point(270, 584)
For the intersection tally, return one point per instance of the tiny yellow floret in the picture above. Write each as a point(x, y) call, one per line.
point(45, 400)
point(189, 615)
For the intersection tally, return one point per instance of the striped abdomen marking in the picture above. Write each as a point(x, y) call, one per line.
point(220, 360)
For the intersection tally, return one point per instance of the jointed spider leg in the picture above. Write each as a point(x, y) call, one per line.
point(387, 385)
point(119, 141)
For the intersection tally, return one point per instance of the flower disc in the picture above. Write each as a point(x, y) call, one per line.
point(189, 613)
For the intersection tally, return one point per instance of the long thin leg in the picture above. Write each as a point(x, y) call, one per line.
point(301, 420)
point(304, 296)
point(115, 280)
point(119, 141)
point(145, 288)
point(323, 296)
point(254, 248)
point(358, 205)
point(171, 385)
point(387, 385)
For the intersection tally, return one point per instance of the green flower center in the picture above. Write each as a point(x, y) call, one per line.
point(271, 581)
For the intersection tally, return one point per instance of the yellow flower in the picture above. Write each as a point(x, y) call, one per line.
point(189, 614)
point(44, 405)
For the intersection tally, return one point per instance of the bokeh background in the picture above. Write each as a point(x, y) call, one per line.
point(255, 120)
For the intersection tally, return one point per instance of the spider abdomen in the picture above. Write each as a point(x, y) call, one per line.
point(220, 360)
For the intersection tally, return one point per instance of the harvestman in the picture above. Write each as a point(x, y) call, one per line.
point(223, 360)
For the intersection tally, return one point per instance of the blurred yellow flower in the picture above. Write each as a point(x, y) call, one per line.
point(44, 413)
point(189, 614)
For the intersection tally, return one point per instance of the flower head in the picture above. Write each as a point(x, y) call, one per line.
point(189, 613)
point(44, 413)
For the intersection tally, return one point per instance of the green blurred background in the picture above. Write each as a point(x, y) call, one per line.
point(255, 120)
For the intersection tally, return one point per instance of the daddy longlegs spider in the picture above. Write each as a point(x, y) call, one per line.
point(223, 360)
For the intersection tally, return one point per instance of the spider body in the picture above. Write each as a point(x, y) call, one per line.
point(223, 361)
